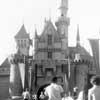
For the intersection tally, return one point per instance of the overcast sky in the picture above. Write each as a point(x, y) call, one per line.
point(13, 13)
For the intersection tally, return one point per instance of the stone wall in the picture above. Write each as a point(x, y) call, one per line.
point(4, 87)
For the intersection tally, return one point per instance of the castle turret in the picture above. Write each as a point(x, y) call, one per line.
point(63, 21)
point(64, 7)
point(18, 69)
point(23, 41)
point(62, 25)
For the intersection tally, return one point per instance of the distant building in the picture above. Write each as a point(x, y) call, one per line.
point(52, 57)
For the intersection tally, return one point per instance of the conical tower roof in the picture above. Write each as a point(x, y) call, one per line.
point(22, 33)
point(5, 64)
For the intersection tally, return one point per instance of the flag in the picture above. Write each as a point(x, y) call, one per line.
point(22, 71)
point(95, 50)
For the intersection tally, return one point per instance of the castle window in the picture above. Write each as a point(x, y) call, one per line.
point(49, 39)
point(50, 55)
point(24, 43)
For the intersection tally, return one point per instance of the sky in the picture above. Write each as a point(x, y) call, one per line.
point(32, 13)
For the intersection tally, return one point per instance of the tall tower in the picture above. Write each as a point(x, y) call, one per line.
point(64, 7)
point(23, 42)
point(62, 25)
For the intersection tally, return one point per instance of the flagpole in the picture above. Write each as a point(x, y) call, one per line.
point(30, 74)
point(69, 74)
point(25, 71)
point(68, 68)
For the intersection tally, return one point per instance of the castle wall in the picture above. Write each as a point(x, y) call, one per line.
point(24, 51)
point(81, 76)
point(4, 87)
point(58, 55)
point(42, 45)
point(15, 81)
point(57, 45)
point(41, 55)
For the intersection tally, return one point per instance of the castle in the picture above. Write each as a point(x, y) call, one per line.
point(52, 57)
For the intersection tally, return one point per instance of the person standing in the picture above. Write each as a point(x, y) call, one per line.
point(75, 93)
point(94, 92)
point(54, 91)
point(26, 95)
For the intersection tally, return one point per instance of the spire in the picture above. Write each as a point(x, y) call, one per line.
point(77, 55)
point(64, 7)
point(78, 37)
point(36, 33)
point(49, 14)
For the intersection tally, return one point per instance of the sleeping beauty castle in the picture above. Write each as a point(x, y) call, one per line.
point(52, 57)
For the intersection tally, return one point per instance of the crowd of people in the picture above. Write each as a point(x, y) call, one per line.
point(55, 91)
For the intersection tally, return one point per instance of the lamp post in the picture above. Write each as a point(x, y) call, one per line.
point(30, 74)
point(69, 73)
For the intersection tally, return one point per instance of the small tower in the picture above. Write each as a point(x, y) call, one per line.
point(35, 43)
point(23, 41)
point(63, 21)
point(64, 7)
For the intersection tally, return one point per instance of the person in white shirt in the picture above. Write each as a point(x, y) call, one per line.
point(94, 92)
point(26, 95)
point(54, 91)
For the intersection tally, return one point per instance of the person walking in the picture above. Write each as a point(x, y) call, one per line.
point(54, 91)
point(94, 92)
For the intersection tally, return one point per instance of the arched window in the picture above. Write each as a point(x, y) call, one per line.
point(24, 43)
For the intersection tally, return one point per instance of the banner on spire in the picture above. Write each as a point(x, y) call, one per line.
point(22, 73)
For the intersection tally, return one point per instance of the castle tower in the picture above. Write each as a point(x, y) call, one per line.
point(22, 41)
point(62, 25)
point(18, 65)
point(64, 7)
